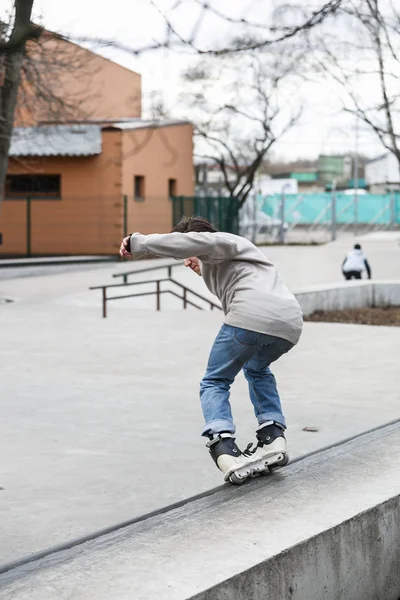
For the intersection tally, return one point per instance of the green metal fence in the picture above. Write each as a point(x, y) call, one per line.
point(222, 212)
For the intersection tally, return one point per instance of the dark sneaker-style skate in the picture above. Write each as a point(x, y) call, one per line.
point(270, 451)
point(228, 458)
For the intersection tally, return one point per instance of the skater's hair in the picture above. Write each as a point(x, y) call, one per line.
point(197, 224)
point(357, 247)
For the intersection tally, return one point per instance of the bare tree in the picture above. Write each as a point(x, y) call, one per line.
point(365, 62)
point(13, 39)
point(241, 107)
point(49, 80)
point(43, 77)
point(56, 82)
point(247, 33)
point(256, 26)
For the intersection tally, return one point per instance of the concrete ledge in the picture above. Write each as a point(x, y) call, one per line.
point(326, 527)
point(352, 294)
point(386, 294)
point(357, 560)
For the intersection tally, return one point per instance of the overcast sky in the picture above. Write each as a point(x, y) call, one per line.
point(136, 23)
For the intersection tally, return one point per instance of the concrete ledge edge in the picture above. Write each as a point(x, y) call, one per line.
point(357, 559)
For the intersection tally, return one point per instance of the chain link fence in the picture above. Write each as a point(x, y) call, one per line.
point(221, 211)
point(78, 225)
point(316, 218)
point(94, 225)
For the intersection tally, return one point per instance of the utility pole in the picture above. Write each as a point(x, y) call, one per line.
point(333, 211)
point(282, 215)
point(355, 177)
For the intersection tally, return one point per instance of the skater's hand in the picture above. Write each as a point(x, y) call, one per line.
point(193, 263)
point(125, 247)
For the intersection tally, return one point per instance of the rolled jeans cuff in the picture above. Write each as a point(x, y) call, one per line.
point(217, 426)
point(277, 417)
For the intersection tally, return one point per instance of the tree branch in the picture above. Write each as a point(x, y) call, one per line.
point(174, 39)
point(23, 29)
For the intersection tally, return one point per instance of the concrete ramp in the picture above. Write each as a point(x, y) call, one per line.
point(325, 527)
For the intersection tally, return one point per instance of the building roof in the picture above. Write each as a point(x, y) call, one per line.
point(372, 160)
point(143, 123)
point(74, 139)
point(56, 140)
point(123, 123)
point(300, 176)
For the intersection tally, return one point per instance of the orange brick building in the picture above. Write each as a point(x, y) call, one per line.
point(77, 187)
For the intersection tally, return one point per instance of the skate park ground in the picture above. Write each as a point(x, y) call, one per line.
point(100, 418)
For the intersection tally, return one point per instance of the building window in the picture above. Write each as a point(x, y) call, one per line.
point(22, 186)
point(139, 188)
point(171, 187)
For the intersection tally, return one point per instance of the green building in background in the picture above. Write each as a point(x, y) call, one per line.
point(334, 168)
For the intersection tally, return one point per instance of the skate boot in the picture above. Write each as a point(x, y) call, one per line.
point(228, 458)
point(270, 451)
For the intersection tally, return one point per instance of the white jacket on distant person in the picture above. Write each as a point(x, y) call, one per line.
point(356, 261)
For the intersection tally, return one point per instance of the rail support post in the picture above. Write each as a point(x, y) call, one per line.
point(104, 302)
point(158, 294)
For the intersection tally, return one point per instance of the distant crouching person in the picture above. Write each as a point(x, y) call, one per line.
point(355, 263)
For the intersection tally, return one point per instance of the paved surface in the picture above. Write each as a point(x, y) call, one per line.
point(100, 418)
point(346, 528)
point(52, 260)
point(35, 270)
point(299, 265)
point(307, 265)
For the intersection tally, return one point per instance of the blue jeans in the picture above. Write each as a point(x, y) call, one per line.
point(235, 349)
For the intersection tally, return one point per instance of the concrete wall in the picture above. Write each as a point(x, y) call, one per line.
point(83, 84)
point(357, 560)
point(349, 295)
point(89, 216)
point(158, 154)
point(382, 170)
point(386, 294)
point(87, 219)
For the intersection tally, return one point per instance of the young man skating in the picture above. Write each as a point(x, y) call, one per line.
point(263, 321)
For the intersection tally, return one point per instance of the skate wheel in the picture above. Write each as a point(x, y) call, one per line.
point(260, 471)
point(281, 463)
point(236, 479)
point(266, 471)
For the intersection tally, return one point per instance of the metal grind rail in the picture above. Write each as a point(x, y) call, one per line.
point(168, 266)
point(157, 292)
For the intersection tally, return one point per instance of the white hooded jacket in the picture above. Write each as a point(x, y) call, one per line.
point(355, 261)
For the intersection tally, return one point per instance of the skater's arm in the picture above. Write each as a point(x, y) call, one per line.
point(209, 247)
